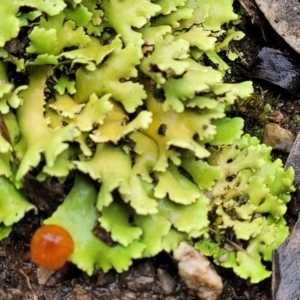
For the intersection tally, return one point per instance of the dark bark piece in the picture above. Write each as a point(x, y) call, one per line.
point(293, 160)
point(286, 260)
point(284, 17)
point(271, 65)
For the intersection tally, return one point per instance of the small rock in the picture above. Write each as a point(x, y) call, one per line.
point(166, 280)
point(105, 278)
point(54, 279)
point(140, 279)
point(195, 269)
point(276, 117)
point(43, 275)
point(16, 292)
point(141, 283)
point(80, 294)
point(129, 296)
point(278, 137)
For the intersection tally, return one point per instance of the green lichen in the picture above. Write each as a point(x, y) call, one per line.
point(36, 136)
point(117, 93)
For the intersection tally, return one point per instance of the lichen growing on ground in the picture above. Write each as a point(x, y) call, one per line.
point(118, 94)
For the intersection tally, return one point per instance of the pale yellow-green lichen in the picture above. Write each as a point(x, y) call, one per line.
point(124, 16)
point(117, 93)
point(114, 77)
point(36, 136)
point(117, 125)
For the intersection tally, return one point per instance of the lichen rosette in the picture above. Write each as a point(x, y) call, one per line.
point(119, 94)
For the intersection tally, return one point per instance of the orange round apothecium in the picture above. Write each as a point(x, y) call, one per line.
point(51, 246)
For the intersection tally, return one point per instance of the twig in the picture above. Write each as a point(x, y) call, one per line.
point(233, 244)
point(34, 296)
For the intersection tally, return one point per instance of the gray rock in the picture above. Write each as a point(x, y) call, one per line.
point(283, 15)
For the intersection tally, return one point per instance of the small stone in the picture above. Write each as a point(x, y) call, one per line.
point(43, 275)
point(140, 283)
point(195, 269)
point(16, 292)
point(129, 296)
point(278, 137)
point(166, 280)
point(54, 279)
point(140, 279)
point(80, 294)
point(276, 117)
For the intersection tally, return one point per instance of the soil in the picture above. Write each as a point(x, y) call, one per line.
point(157, 278)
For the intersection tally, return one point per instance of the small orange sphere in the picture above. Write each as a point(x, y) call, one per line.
point(51, 246)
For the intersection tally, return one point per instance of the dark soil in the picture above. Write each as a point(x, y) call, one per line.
point(147, 279)
point(156, 278)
